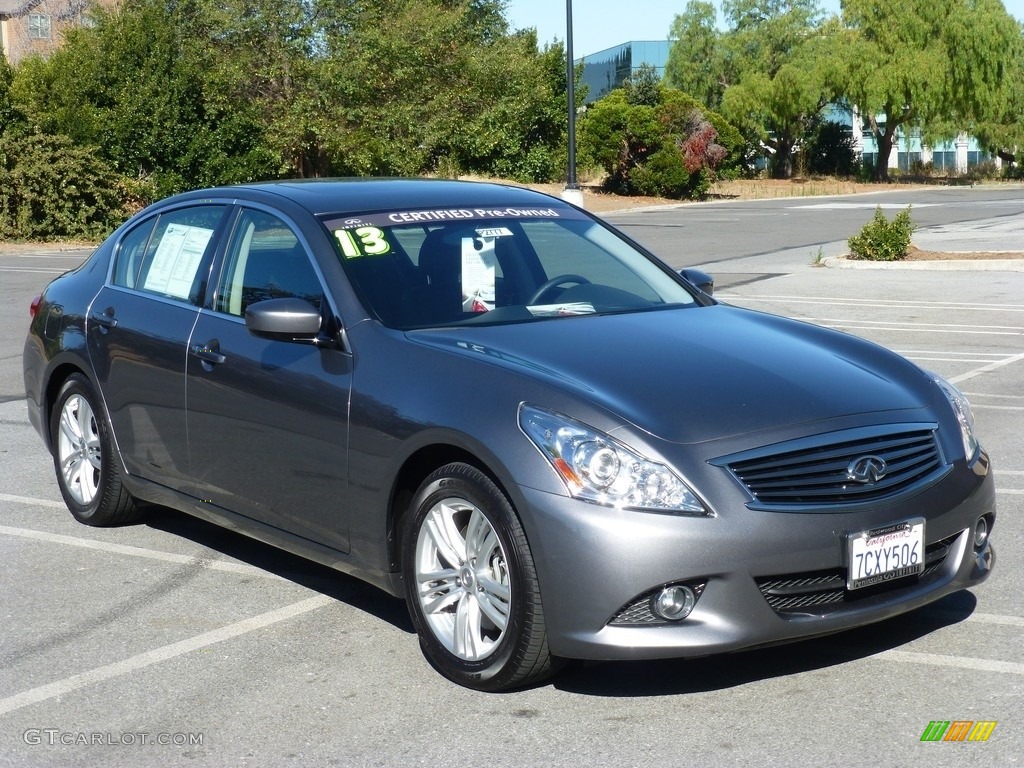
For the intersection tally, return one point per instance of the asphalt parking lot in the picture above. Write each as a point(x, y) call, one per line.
point(172, 642)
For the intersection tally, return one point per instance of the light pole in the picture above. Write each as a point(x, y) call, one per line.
point(572, 191)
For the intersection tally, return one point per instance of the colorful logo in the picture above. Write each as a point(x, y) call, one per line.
point(958, 730)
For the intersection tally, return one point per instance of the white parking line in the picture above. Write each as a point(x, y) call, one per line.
point(80, 255)
point(873, 303)
point(995, 618)
point(151, 554)
point(923, 359)
point(33, 501)
point(909, 328)
point(958, 662)
point(855, 206)
point(157, 655)
point(34, 270)
point(1012, 328)
point(987, 368)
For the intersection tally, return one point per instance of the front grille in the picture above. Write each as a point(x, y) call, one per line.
point(818, 472)
point(822, 592)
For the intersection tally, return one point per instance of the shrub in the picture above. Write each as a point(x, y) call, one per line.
point(830, 150)
point(51, 189)
point(670, 149)
point(883, 240)
point(983, 171)
point(921, 168)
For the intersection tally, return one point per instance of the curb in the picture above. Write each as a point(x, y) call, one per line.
point(940, 265)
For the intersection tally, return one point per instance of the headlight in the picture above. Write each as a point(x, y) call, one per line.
point(597, 468)
point(964, 415)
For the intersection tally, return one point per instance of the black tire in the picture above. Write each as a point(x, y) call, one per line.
point(84, 459)
point(477, 517)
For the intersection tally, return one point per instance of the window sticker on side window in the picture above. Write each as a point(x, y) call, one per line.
point(177, 260)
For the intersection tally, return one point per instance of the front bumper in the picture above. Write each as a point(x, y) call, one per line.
point(594, 561)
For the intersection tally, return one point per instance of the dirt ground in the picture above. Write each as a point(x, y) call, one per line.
point(740, 189)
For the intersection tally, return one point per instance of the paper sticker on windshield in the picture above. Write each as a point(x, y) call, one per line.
point(362, 241)
point(561, 310)
point(495, 232)
point(478, 274)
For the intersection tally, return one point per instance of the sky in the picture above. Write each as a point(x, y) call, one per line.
point(600, 24)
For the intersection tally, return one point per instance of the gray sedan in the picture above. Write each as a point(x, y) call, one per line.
point(493, 404)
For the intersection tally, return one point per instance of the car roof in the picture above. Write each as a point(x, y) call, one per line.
point(327, 196)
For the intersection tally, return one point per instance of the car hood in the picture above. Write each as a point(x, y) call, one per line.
point(702, 373)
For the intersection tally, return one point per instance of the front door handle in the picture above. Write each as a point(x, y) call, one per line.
point(208, 352)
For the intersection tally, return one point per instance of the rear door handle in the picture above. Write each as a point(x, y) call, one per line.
point(105, 318)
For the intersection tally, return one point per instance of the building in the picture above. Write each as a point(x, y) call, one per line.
point(607, 70)
point(38, 26)
point(910, 154)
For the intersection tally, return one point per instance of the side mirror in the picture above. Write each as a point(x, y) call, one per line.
point(700, 279)
point(288, 319)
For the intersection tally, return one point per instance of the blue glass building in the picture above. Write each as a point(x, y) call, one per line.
point(607, 70)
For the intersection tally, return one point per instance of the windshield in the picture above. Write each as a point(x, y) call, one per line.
point(430, 268)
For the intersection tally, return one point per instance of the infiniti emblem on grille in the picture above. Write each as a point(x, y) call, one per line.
point(866, 469)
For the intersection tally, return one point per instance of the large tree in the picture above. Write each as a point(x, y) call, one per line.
point(8, 114)
point(194, 92)
point(439, 84)
point(765, 69)
point(938, 67)
point(696, 62)
point(139, 86)
point(1003, 129)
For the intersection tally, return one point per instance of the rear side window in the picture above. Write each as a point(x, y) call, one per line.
point(165, 255)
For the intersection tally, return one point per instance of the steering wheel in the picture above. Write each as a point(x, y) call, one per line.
point(554, 282)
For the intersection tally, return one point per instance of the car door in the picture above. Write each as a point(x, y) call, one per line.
point(268, 418)
point(138, 328)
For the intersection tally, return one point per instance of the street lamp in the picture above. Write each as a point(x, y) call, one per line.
point(572, 191)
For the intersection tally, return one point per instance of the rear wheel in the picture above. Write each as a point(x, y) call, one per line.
point(83, 457)
point(471, 584)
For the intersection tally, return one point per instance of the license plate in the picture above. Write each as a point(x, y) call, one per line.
point(884, 554)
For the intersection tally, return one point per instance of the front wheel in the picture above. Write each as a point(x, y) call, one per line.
point(83, 457)
point(471, 584)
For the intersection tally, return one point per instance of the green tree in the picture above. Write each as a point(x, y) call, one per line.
point(696, 64)
point(9, 116)
point(1003, 130)
point(775, 49)
point(420, 85)
point(765, 71)
point(917, 63)
point(138, 86)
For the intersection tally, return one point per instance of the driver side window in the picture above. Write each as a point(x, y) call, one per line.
point(265, 260)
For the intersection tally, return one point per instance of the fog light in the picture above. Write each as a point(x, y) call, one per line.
point(980, 533)
point(673, 603)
